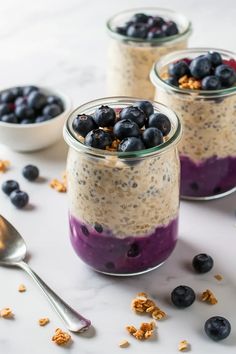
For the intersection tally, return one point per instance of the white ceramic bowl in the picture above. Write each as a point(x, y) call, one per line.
point(31, 137)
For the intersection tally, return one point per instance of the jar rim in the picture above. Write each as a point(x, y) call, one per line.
point(180, 54)
point(71, 140)
point(155, 41)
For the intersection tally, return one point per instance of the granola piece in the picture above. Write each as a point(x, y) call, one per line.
point(208, 296)
point(58, 185)
point(158, 314)
point(139, 334)
point(189, 83)
point(145, 331)
point(183, 345)
point(60, 337)
point(4, 165)
point(124, 343)
point(143, 294)
point(22, 288)
point(218, 277)
point(43, 321)
point(131, 329)
point(143, 304)
point(6, 313)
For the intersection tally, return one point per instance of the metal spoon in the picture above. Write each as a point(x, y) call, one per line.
point(13, 252)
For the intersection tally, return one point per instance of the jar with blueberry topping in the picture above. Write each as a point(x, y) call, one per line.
point(123, 191)
point(139, 37)
point(200, 86)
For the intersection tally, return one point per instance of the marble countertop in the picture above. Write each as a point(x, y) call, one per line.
point(62, 44)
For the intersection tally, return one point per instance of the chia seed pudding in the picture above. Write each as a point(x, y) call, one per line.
point(208, 148)
point(123, 204)
point(132, 52)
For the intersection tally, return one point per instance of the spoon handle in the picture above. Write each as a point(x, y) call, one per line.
point(73, 320)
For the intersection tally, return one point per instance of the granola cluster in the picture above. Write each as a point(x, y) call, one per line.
point(186, 82)
point(60, 337)
point(4, 165)
point(143, 304)
point(208, 296)
point(6, 313)
point(59, 186)
point(145, 331)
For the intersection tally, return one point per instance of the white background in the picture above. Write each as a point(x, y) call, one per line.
point(62, 44)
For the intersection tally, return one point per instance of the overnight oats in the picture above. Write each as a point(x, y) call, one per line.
point(138, 38)
point(200, 86)
point(123, 184)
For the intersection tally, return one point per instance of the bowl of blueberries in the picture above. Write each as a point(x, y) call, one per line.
point(32, 117)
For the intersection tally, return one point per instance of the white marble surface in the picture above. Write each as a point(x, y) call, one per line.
point(62, 44)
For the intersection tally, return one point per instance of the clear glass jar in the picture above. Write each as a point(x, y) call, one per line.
point(208, 148)
point(123, 207)
point(130, 59)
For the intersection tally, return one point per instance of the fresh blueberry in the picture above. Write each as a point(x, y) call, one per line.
point(105, 116)
point(36, 100)
point(202, 263)
point(10, 186)
point(217, 328)
point(152, 137)
point(24, 112)
point(121, 30)
point(215, 58)
point(155, 33)
point(200, 67)
point(178, 69)
point(170, 28)
point(183, 296)
point(98, 139)
point(9, 118)
point(28, 89)
point(137, 30)
point(126, 128)
point(156, 21)
point(98, 227)
point(20, 100)
point(54, 99)
point(161, 122)
point(140, 18)
point(4, 109)
point(135, 114)
point(19, 198)
point(83, 124)
point(131, 144)
point(211, 82)
point(172, 81)
point(41, 119)
point(27, 121)
point(226, 74)
point(17, 91)
point(7, 96)
point(30, 172)
point(145, 106)
point(134, 250)
point(52, 110)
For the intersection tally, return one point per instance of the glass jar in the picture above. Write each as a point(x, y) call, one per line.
point(123, 207)
point(208, 148)
point(130, 59)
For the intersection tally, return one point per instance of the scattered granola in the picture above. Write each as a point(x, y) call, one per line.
point(6, 313)
point(143, 304)
point(208, 296)
point(124, 343)
point(4, 165)
point(218, 277)
point(22, 288)
point(60, 337)
point(60, 186)
point(145, 331)
point(186, 82)
point(43, 321)
point(183, 345)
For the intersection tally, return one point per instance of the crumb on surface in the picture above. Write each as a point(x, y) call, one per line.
point(145, 331)
point(218, 277)
point(59, 186)
point(6, 313)
point(143, 304)
point(209, 297)
point(43, 321)
point(60, 337)
point(124, 343)
point(183, 345)
point(22, 288)
point(4, 165)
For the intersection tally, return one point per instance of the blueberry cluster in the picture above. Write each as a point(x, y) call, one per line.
point(147, 27)
point(27, 105)
point(133, 128)
point(211, 70)
point(12, 188)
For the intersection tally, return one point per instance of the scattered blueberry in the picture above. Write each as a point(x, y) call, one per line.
point(215, 58)
point(36, 100)
point(211, 82)
point(105, 116)
point(202, 263)
point(217, 328)
point(178, 69)
point(24, 112)
point(145, 106)
point(152, 137)
point(9, 118)
point(200, 67)
point(131, 144)
point(52, 110)
point(30, 172)
point(135, 114)
point(134, 250)
point(183, 296)
point(226, 74)
point(98, 139)
point(126, 128)
point(10, 186)
point(161, 122)
point(19, 199)
point(137, 30)
point(83, 124)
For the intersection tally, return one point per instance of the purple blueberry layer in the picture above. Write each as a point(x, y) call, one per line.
point(208, 178)
point(106, 253)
